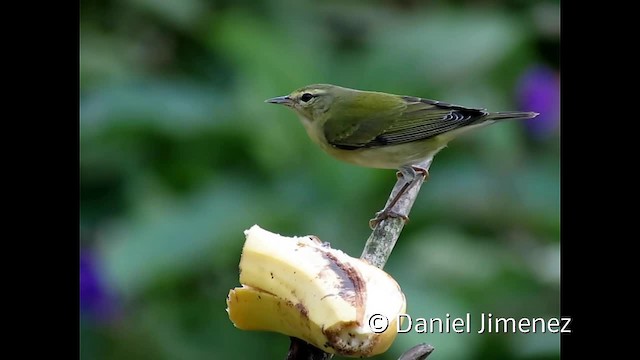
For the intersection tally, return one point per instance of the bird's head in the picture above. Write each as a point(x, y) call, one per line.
point(313, 101)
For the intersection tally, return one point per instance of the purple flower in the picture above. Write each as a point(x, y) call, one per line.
point(539, 91)
point(96, 302)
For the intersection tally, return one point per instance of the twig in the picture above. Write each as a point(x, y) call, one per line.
point(386, 233)
point(418, 352)
point(376, 251)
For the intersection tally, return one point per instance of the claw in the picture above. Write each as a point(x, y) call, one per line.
point(385, 214)
point(408, 174)
point(421, 170)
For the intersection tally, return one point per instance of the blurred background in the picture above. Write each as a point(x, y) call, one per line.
point(179, 154)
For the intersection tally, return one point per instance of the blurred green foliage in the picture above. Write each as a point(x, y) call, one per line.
point(179, 155)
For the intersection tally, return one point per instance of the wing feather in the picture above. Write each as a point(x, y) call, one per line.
point(414, 120)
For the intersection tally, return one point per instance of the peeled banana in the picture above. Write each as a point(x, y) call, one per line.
point(301, 287)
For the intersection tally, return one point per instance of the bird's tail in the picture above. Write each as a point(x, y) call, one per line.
point(511, 115)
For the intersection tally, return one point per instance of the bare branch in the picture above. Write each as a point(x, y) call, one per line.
point(418, 352)
point(386, 233)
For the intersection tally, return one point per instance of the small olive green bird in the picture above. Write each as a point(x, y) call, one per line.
point(386, 131)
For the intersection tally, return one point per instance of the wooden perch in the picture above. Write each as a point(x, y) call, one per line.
point(377, 251)
point(386, 233)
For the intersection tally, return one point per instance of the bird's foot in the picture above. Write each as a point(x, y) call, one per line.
point(420, 170)
point(408, 174)
point(385, 214)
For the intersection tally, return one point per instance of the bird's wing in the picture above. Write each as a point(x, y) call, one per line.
point(416, 119)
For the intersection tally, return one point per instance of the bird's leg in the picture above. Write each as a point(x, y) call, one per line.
point(409, 175)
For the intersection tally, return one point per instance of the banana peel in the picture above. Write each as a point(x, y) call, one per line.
point(301, 287)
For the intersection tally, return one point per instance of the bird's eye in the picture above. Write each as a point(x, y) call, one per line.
point(306, 97)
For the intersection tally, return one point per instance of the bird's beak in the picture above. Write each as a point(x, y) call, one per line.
point(284, 100)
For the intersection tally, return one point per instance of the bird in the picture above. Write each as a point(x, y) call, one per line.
point(386, 131)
